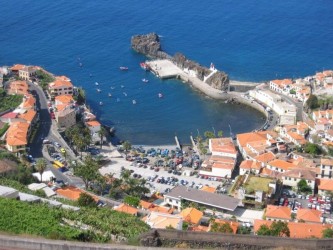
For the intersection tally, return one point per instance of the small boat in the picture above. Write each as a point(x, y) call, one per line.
point(145, 80)
point(98, 90)
point(109, 94)
point(118, 99)
point(125, 94)
point(134, 101)
point(123, 68)
point(100, 103)
point(160, 95)
point(145, 66)
point(122, 86)
point(112, 87)
point(96, 83)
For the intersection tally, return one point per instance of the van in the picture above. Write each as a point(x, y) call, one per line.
point(46, 141)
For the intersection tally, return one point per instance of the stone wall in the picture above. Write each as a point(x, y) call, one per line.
point(173, 238)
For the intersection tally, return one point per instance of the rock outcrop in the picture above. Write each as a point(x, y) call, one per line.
point(150, 46)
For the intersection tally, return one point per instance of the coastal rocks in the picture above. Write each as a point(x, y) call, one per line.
point(150, 46)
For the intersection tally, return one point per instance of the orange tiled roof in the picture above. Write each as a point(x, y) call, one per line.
point(234, 225)
point(70, 192)
point(191, 215)
point(250, 164)
point(62, 78)
point(283, 82)
point(17, 134)
point(327, 162)
point(297, 230)
point(278, 212)
point(64, 99)
point(145, 204)
point(60, 84)
point(93, 123)
point(281, 164)
point(308, 215)
point(223, 145)
point(265, 157)
point(304, 173)
point(245, 138)
point(208, 189)
point(126, 209)
point(325, 184)
point(161, 220)
point(17, 67)
point(28, 101)
point(29, 115)
point(160, 209)
point(18, 87)
point(198, 228)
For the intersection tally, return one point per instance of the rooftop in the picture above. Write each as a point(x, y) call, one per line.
point(278, 212)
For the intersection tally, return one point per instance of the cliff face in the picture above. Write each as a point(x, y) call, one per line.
point(150, 46)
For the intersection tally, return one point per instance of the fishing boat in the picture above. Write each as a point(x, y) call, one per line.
point(109, 94)
point(100, 103)
point(98, 90)
point(96, 83)
point(160, 95)
point(123, 68)
point(145, 66)
point(145, 80)
point(125, 94)
point(134, 101)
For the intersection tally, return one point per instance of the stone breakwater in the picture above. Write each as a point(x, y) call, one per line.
point(150, 46)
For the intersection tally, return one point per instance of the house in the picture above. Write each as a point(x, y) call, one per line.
point(9, 117)
point(70, 192)
point(293, 176)
point(211, 200)
point(325, 186)
point(16, 68)
point(249, 166)
point(233, 224)
point(163, 221)
point(29, 102)
point(94, 126)
point(63, 99)
point(161, 209)
point(309, 215)
point(65, 116)
point(326, 168)
point(297, 230)
point(17, 137)
point(278, 213)
point(124, 208)
point(17, 88)
point(191, 215)
point(26, 72)
point(223, 147)
point(61, 86)
point(281, 86)
point(29, 116)
point(265, 158)
point(145, 205)
point(218, 166)
point(279, 165)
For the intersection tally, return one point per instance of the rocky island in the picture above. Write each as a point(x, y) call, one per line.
point(150, 46)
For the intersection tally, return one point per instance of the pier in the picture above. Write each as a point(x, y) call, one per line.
point(164, 69)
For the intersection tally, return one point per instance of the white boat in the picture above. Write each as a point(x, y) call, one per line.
point(122, 86)
point(101, 103)
point(118, 99)
point(125, 94)
point(112, 87)
point(96, 83)
point(134, 101)
point(145, 80)
point(98, 90)
point(109, 94)
point(160, 95)
point(123, 68)
point(144, 66)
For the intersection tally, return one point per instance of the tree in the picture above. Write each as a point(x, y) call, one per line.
point(209, 134)
point(243, 230)
point(312, 102)
point(64, 154)
point(86, 200)
point(328, 233)
point(303, 186)
point(313, 149)
point(132, 200)
point(88, 171)
point(221, 228)
point(264, 230)
point(102, 134)
point(40, 167)
point(127, 146)
point(280, 228)
point(220, 133)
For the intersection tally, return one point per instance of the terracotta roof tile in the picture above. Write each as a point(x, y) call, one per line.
point(93, 123)
point(233, 224)
point(325, 184)
point(281, 164)
point(278, 212)
point(224, 145)
point(308, 215)
point(126, 209)
point(17, 134)
point(191, 215)
point(265, 157)
point(29, 115)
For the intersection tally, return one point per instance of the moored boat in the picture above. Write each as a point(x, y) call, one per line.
point(144, 66)
point(100, 103)
point(134, 101)
point(145, 80)
point(98, 90)
point(160, 95)
point(96, 83)
point(109, 94)
point(125, 94)
point(123, 68)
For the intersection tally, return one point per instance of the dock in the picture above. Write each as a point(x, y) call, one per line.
point(165, 69)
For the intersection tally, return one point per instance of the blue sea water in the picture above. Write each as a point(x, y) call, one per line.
point(250, 40)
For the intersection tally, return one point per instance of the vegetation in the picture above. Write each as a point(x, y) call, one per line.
point(328, 233)
point(132, 200)
point(40, 167)
point(292, 92)
point(312, 102)
point(44, 78)
point(79, 136)
point(86, 200)
point(221, 228)
point(243, 230)
point(41, 220)
point(88, 171)
point(4, 129)
point(127, 146)
point(278, 228)
point(80, 98)
point(313, 149)
point(9, 101)
point(102, 134)
point(257, 183)
point(325, 101)
point(303, 186)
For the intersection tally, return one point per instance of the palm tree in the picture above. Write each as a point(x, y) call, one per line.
point(102, 134)
point(127, 146)
point(41, 166)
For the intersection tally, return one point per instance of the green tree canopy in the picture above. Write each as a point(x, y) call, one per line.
point(277, 228)
point(312, 148)
point(88, 171)
point(312, 102)
point(132, 200)
point(209, 134)
point(86, 200)
point(328, 233)
point(303, 186)
point(40, 167)
point(221, 228)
